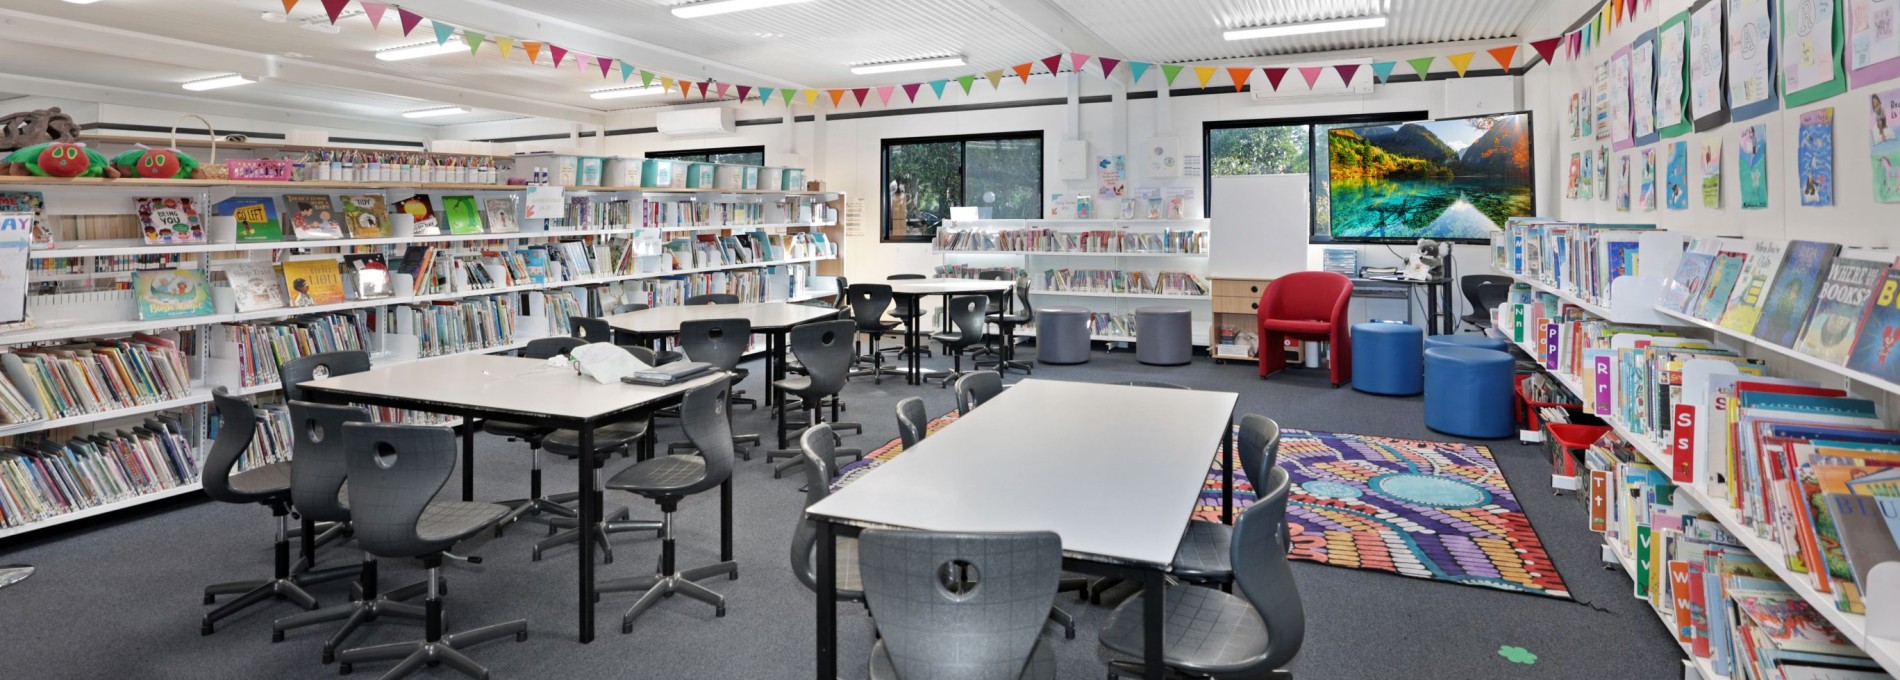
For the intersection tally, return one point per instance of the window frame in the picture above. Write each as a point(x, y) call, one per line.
point(1312, 207)
point(962, 140)
point(709, 153)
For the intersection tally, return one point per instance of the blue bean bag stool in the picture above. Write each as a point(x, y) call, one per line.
point(1468, 392)
point(1386, 358)
point(1478, 341)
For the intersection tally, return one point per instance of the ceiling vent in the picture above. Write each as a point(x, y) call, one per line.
point(696, 122)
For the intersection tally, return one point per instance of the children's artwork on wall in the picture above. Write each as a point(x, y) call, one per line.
point(1815, 159)
point(1600, 110)
point(1707, 107)
point(1751, 59)
point(1572, 178)
point(1672, 71)
point(1574, 118)
point(1643, 88)
point(1811, 51)
point(1752, 161)
point(1646, 198)
point(1586, 186)
point(1712, 171)
point(1676, 176)
point(1622, 135)
point(1873, 41)
point(1884, 132)
point(1111, 176)
point(1623, 183)
point(1603, 170)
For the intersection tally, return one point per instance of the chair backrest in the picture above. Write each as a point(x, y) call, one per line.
point(1258, 554)
point(395, 471)
point(591, 329)
point(935, 624)
point(912, 423)
point(908, 305)
point(1485, 291)
point(548, 348)
point(868, 303)
point(319, 366)
point(967, 312)
point(1024, 310)
point(720, 342)
point(1259, 447)
point(646, 355)
point(630, 307)
point(819, 446)
point(237, 424)
point(973, 389)
point(1307, 296)
point(903, 277)
point(1154, 383)
point(998, 299)
point(321, 465)
point(703, 416)
point(839, 301)
point(713, 299)
point(824, 349)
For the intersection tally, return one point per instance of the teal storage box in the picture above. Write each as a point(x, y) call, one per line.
point(591, 170)
point(751, 176)
point(656, 173)
point(700, 175)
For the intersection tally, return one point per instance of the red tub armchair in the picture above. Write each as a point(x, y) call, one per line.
point(1306, 306)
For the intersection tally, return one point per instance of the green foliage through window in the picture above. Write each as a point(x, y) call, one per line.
point(925, 178)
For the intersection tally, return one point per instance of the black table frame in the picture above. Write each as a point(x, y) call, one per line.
point(1441, 312)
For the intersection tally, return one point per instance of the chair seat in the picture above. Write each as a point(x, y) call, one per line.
point(623, 433)
point(998, 317)
point(1203, 555)
point(1041, 666)
point(272, 479)
point(1205, 630)
point(455, 520)
point(796, 385)
point(660, 476)
point(952, 339)
point(515, 430)
point(1304, 327)
point(850, 580)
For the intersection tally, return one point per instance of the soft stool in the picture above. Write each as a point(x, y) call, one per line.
point(1062, 335)
point(1386, 358)
point(1164, 336)
point(1468, 392)
point(1478, 341)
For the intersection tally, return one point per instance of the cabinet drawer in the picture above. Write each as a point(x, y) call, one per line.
point(1236, 305)
point(1239, 287)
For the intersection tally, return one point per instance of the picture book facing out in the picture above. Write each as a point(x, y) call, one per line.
point(256, 286)
point(1792, 294)
point(1745, 304)
point(462, 215)
point(170, 221)
point(1839, 307)
point(499, 212)
point(30, 202)
point(1879, 337)
point(312, 282)
point(1691, 270)
point(422, 211)
point(366, 216)
point(256, 218)
point(312, 217)
point(1724, 271)
point(370, 275)
point(171, 293)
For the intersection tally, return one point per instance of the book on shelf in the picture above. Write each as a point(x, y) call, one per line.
point(369, 275)
point(312, 217)
point(257, 349)
point(1805, 265)
point(1873, 348)
point(171, 293)
point(33, 203)
point(366, 215)
point(1839, 306)
point(313, 281)
point(419, 208)
point(169, 221)
point(1691, 271)
point(1743, 309)
point(76, 379)
point(256, 285)
point(499, 213)
point(44, 479)
point(461, 214)
point(256, 218)
point(1724, 271)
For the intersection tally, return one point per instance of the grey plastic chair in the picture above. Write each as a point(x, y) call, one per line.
point(967, 313)
point(630, 307)
point(591, 329)
point(621, 436)
point(722, 343)
point(313, 534)
point(910, 311)
point(1006, 325)
point(912, 422)
point(1203, 555)
point(825, 350)
point(934, 623)
point(713, 299)
point(975, 389)
point(667, 480)
point(395, 472)
point(1211, 634)
point(820, 447)
point(317, 488)
point(868, 303)
point(537, 504)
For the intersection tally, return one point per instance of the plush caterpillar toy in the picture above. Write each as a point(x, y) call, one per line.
point(158, 164)
point(57, 159)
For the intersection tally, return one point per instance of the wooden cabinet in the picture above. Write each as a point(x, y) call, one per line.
point(1232, 335)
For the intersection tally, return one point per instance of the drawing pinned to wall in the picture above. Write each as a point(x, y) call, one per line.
point(1751, 58)
point(1623, 183)
point(1164, 157)
point(1811, 51)
point(1646, 196)
point(1600, 108)
point(1873, 41)
point(1576, 118)
point(1574, 177)
point(1111, 176)
point(1643, 88)
point(1622, 135)
point(1586, 186)
point(1884, 131)
point(1676, 177)
point(1712, 171)
point(1672, 70)
point(1752, 161)
point(1815, 157)
point(1707, 106)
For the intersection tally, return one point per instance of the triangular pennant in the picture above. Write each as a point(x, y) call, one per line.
point(786, 94)
point(473, 40)
point(702, 89)
point(910, 90)
point(1170, 71)
point(1632, 4)
point(1203, 74)
point(1616, 11)
point(1422, 65)
point(333, 8)
point(289, 4)
point(1383, 69)
point(884, 94)
point(558, 53)
point(1503, 55)
point(1022, 71)
point(409, 20)
point(626, 71)
point(1274, 76)
point(937, 86)
point(646, 78)
point(811, 97)
point(605, 65)
point(1052, 62)
point(686, 87)
point(442, 32)
point(836, 96)
point(581, 61)
point(666, 84)
point(534, 50)
point(1239, 76)
point(1311, 74)
point(765, 95)
point(860, 92)
point(720, 89)
point(506, 44)
point(1076, 60)
point(743, 91)
point(1346, 72)
point(995, 77)
point(1546, 48)
point(1461, 61)
point(1107, 64)
point(1137, 68)
point(966, 81)
point(374, 11)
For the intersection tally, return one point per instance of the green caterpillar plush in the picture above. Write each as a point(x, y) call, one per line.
point(158, 164)
point(57, 159)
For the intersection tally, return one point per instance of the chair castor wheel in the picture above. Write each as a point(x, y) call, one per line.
point(720, 613)
point(1070, 634)
point(626, 627)
point(211, 599)
point(734, 576)
point(277, 636)
point(521, 636)
point(537, 554)
point(329, 656)
point(343, 669)
point(205, 630)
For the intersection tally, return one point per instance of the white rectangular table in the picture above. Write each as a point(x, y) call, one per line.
point(1114, 470)
point(525, 391)
point(915, 290)
point(771, 319)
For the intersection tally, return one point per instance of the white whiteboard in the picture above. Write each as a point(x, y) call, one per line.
point(1259, 225)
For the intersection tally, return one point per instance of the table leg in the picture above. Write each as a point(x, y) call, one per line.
point(1451, 310)
point(1437, 321)
point(827, 569)
point(1227, 473)
point(590, 516)
point(468, 459)
point(725, 520)
point(778, 341)
point(1154, 598)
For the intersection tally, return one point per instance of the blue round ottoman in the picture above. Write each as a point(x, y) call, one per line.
point(1478, 341)
point(1385, 358)
point(1062, 335)
point(1468, 392)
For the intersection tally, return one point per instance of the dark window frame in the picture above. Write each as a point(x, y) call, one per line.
point(884, 171)
point(692, 153)
point(1312, 207)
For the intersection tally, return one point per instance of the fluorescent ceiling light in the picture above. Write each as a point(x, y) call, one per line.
point(711, 7)
point(913, 65)
point(1304, 28)
point(623, 92)
point(82, 2)
point(428, 49)
point(220, 81)
point(438, 111)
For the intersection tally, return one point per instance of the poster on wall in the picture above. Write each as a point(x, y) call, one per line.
point(1164, 157)
point(1646, 187)
point(1672, 64)
point(1751, 59)
point(1707, 75)
point(1586, 113)
point(1712, 171)
point(1884, 130)
point(1575, 120)
point(1111, 177)
point(1586, 187)
point(1676, 177)
point(1623, 183)
point(1815, 157)
point(1752, 161)
point(1643, 88)
point(1873, 41)
point(1574, 177)
point(1810, 51)
point(1600, 108)
point(1621, 136)
point(1603, 171)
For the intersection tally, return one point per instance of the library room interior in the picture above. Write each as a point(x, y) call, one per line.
point(950, 339)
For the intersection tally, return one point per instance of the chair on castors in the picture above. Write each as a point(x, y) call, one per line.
point(1306, 306)
point(669, 479)
point(967, 312)
point(1006, 325)
point(720, 342)
point(912, 422)
point(1485, 292)
point(317, 477)
point(621, 436)
point(909, 311)
point(1212, 634)
point(1204, 555)
point(820, 451)
point(975, 389)
point(825, 350)
point(630, 307)
point(536, 503)
point(713, 299)
point(314, 534)
point(267, 485)
point(592, 330)
point(395, 473)
point(981, 621)
point(868, 302)
point(999, 304)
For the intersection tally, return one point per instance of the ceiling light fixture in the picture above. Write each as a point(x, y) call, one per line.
point(624, 92)
point(82, 2)
point(912, 65)
point(428, 49)
point(1304, 28)
point(712, 7)
point(220, 81)
point(438, 111)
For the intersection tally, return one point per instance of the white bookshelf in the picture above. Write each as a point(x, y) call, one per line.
point(1122, 296)
point(101, 509)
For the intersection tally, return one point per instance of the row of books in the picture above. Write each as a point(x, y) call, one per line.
point(588, 212)
point(1124, 281)
point(708, 250)
point(103, 264)
point(43, 479)
point(93, 377)
point(321, 217)
point(449, 327)
point(259, 348)
point(1578, 258)
point(1184, 241)
point(671, 291)
point(676, 214)
point(966, 271)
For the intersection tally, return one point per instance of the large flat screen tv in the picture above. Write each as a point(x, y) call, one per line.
point(1456, 179)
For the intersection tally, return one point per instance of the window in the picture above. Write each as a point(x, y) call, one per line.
point(742, 155)
point(1285, 147)
point(1001, 175)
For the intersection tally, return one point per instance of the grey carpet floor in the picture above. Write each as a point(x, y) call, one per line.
point(120, 598)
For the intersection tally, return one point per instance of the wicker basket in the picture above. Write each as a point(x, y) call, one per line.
point(210, 165)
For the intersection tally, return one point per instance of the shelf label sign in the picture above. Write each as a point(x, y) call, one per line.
point(546, 203)
point(16, 239)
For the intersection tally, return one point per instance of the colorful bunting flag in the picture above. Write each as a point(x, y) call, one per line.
point(721, 89)
point(333, 8)
point(966, 81)
point(811, 97)
point(1346, 72)
point(937, 86)
point(1238, 76)
point(1022, 71)
point(626, 71)
point(442, 32)
point(1275, 74)
point(1461, 61)
point(534, 50)
point(787, 94)
point(1383, 69)
point(646, 78)
point(1546, 48)
point(558, 53)
point(666, 84)
point(859, 93)
point(289, 4)
point(836, 95)
point(473, 40)
point(374, 11)
point(910, 90)
point(1422, 65)
point(994, 77)
point(409, 19)
point(1170, 71)
point(765, 95)
point(506, 44)
point(1076, 60)
point(1052, 62)
point(884, 94)
point(702, 89)
point(1107, 64)
point(1503, 55)
point(1204, 73)
point(605, 65)
point(1311, 74)
point(743, 90)
point(1137, 68)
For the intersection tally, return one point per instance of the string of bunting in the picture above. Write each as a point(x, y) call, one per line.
point(1575, 42)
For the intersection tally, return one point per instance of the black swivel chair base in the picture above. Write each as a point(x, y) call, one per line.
point(366, 608)
point(1131, 669)
point(283, 585)
point(615, 520)
point(670, 579)
point(436, 648)
point(537, 507)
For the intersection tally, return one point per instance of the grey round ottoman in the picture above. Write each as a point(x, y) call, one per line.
point(1164, 336)
point(1062, 335)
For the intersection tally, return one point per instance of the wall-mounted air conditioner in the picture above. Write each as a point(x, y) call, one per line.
point(696, 122)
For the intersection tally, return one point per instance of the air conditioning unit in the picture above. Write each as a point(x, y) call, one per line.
point(1294, 86)
point(696, 122)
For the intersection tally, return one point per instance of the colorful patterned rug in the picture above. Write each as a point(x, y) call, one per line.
point(1424, 509)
